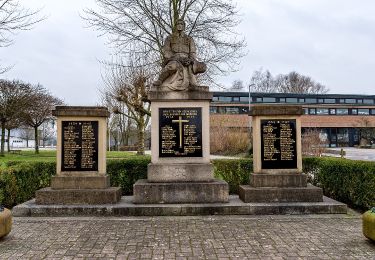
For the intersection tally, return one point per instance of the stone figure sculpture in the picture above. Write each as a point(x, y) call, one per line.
point(180, 61)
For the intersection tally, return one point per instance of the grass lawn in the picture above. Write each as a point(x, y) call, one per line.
point(50, 155)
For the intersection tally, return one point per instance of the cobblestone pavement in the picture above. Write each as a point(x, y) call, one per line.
point(205, 237)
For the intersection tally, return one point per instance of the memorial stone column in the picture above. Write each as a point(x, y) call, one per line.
point(277, 158)
point(180, 170)
point(80, 159)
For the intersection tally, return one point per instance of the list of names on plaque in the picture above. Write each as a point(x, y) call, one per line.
point(180, 132)
point(278, 144)
point(79, 146)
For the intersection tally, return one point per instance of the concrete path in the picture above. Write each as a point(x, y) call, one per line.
point(355, 153)
point(211, 237)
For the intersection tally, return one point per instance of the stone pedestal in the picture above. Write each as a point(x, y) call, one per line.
point(180, 170)
point(81, 159)
point(277, 158)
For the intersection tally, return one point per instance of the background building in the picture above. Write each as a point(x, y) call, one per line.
point(340, 119)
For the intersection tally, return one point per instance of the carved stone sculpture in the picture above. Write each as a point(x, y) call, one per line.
point(180, 62)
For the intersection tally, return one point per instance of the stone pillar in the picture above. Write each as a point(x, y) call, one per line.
point(80, 159)
point(180, 170)
point(277, 158)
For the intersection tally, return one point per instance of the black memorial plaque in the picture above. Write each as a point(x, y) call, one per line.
point(79, 146)
point(180, 132)
point(278, 144)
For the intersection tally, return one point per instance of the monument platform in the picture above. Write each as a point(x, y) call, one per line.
point(126, 207)
point(146, 192)
point(49, 196)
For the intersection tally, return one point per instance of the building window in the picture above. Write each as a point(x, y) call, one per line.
point(259, 100)
point(372, 111)
point(221, 110)
point(329, 100)
point(301, 100)
point(354, 111)
point(232, 110)
point(269, 100)
point(244, 99)
point(368, 101)
point(305, 111)
point(225, 99)
point(282, 100)
point(215, 99)
point(342, 111)
point(359, 101)
point(312, 111)
point(292, 100)
point(236, 99)
point(322, 111)
point(350, 101)
point(320, 100)
point(363, 111)
point(213, 110)
point(332, 111)
point(310, 100)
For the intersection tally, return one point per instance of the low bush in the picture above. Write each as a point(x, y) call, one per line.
point(351, 182)
point(234, 172)
point(126, 172)
point(19, 182)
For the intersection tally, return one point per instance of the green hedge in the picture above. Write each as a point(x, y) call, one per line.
point(351, 182)
point(19, 182)
point(234, 172)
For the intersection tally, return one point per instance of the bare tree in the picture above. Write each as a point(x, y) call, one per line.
point(14, 98)
point(15, 18)
point(40, 111)
point(292, 82)
point(129, 84)
point(146, 23)
point(237, 86)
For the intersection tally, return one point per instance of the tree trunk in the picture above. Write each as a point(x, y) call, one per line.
point(36, 139)
point(8, 140)
point(141, 137)
point(2, 138)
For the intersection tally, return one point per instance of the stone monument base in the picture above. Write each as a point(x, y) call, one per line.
point(146, 192)
point(310, 193)
point(184, 172)
point(49, 196)
point(80, 182)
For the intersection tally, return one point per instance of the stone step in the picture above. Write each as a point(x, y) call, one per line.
point(126, 207)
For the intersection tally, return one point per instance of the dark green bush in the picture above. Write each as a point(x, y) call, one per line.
point(126, 172)
point(351, 182)
point(235, 172)
point(18, 183)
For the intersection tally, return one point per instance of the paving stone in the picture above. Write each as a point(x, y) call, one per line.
point(204, 237)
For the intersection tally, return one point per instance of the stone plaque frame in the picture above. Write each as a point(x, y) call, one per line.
point(278, 144)
point(78, 147)
point(180, 132)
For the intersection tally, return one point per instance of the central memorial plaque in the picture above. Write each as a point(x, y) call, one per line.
point(180, 132)
point(278, 139)
point(79, 146)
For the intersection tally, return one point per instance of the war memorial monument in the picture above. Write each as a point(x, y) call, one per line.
point(180, 178)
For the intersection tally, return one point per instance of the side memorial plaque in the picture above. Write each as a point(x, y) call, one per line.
point(180, 132)
point(79, 146)
point(278, 144)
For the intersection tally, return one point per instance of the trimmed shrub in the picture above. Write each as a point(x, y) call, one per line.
point(126, 172)
point(18, 183)
point(235, 172)
point(351, 182)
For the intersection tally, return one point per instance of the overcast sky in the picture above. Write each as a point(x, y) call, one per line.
point(332, 41)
